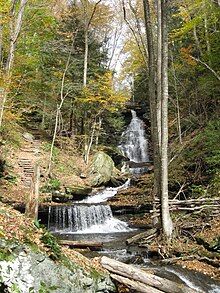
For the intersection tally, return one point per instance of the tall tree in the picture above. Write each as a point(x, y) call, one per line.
point(15, 21)
point(158, 92)
point(88, 17)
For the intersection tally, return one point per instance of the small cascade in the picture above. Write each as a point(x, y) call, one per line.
point(80, 219)
point(105, 194)
point(134, 144)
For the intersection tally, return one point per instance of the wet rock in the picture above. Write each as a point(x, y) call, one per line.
point(78, 192)
point(61, 197)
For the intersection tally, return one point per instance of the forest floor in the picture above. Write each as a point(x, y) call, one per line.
point(195, 235)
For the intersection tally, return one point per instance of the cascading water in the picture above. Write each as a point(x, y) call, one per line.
point(134, 144)
point(105, 194)
point(84, 216)
point(84, 219)
point(89, 222)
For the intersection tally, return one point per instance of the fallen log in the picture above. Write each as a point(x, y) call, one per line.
point(148, 279)
point(135, 285)
point(81, 244)
point(190, 201)
point(140, 236)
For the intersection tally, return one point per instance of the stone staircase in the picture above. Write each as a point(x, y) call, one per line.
point(27, 171)
point(28, 156)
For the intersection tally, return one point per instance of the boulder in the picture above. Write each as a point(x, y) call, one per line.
point(115, 154)
point(78, 192)
point(23, 269)
point(62, 197)
point(28, 136)
point(103, 169)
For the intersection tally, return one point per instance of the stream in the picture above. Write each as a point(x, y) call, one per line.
point(92, 220)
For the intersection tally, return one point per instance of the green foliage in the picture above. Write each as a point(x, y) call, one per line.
point(10, 132)
point(50, 241)
point(197, 190)
point(47, 146)
point(6, 254)
point(15, 289)
point(54, 184)
point(211, 145)
point(202, 160)
point(45, 289)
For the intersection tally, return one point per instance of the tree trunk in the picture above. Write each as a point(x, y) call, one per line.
point(145, 278)
point(15, 27)
point(135, 285)
point(179, 131)
point(166, 220)
point(85, 58)
point(58, 111)
point(87, 22)
point(158, 71)
point(152, 95)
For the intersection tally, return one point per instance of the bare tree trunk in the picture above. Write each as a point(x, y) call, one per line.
point(166, 220)
point(153, 103)
point(58, 111)
point(179, 131)
point(87, 23)
point(145, 278)
point(197, 41)
point(207, 35)
point(85, 58)
point(44, 112)
point(89, 145)
point(158, 71)
point(98, 131)
point(15, 27)
point(1, 40)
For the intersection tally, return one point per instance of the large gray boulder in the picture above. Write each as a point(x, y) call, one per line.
point(103, 169)
point(26, 270)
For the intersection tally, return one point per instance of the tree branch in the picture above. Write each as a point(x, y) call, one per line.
point(207, 66)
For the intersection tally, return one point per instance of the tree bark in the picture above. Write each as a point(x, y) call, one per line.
point(87, 23)
point(152, 95)
point(158, 73)
point(166, 220)
point(15, 27)
point(58, 110)
point(145, 278)
point(81, 244)
point(136, 285)
point(140, 236)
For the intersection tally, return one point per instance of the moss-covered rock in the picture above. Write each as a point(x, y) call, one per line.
point(103, 169)
point(61, 197)
point(78, 192)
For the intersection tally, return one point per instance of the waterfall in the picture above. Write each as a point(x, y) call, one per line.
point(134, 144)
point(105, 194)
point(86, 219)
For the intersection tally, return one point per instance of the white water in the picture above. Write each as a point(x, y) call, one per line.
point(134, 144)
point(84, 219)
point(104, 195)
point(93, 218)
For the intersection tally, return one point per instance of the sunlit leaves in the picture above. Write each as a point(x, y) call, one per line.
point(100, 96)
